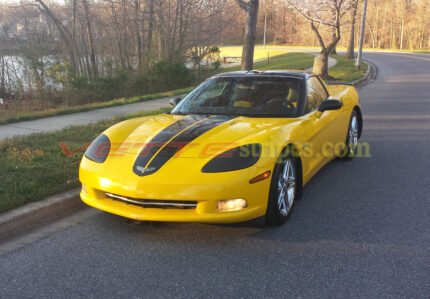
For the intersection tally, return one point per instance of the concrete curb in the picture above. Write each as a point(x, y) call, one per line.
point(369, 76)
point(36, 214)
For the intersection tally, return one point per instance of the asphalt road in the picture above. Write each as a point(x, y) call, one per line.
point(362, 229)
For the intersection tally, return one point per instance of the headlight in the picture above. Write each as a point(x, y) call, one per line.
point(99, 149)
point(234, 159)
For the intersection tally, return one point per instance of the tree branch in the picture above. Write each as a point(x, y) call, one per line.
point(244, 5)
point(317, 33)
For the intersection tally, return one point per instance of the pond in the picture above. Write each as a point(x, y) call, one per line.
point(20, 73)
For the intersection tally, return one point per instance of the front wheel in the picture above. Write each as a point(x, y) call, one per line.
point(283, 191)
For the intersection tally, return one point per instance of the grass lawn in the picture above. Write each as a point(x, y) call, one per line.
point(34, 167)
point(291, 61)
point(259, 52)
point(421, 52)
point(345, 70)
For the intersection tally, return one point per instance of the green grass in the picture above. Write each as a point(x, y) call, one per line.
point(259, 52)
point(11, 117)
point(421, 52)
point(291, 61)
point(34, 167)
point(345, 70)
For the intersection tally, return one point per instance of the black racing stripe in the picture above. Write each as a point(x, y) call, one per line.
point(182, 140)
point(159, 140)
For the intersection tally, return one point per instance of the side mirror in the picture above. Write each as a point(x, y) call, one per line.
point(175, 101)
point(330, 104)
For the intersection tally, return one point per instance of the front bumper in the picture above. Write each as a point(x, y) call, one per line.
point(205, 189)
point(200, 214)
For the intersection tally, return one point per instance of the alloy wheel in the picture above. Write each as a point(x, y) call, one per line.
point(353, 135)
point(286, 187)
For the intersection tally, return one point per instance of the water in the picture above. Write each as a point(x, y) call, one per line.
point(21, 73)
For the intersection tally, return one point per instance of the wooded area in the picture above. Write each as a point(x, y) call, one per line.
point(78, 51)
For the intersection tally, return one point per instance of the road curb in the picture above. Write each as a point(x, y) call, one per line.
point(369, 76)
point(28, 217)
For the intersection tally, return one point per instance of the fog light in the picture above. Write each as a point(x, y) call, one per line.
point(232, 205)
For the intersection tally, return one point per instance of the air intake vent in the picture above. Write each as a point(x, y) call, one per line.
point(157, 204)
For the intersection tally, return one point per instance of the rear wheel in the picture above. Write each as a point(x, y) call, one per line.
point(283, 191)
point(351, 142)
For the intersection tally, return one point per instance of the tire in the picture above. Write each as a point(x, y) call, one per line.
point(352, 136)
point(283, 191)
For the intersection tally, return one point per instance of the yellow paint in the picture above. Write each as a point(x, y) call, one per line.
point(181, 177)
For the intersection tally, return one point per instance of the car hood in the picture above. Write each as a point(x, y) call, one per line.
point(190, 135)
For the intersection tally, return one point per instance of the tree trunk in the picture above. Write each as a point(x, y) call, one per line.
point(372, 34)
point(321, 64)
point(402, 31)
point(137, 29)
point(393, 37)
point(116, 25)
point(377, 25)
point(147, 29)
point(94, 67)
point(64, 33)
point(251, 9)
point(125, 37)
point(350, 50)
point(333, 32)
point(333, 36)
point(2, 79)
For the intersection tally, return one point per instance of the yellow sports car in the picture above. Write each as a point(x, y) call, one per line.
point(238, 147)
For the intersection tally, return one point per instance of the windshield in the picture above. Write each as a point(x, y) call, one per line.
point(253, 96)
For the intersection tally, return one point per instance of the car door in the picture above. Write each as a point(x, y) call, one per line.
point(322, 132)
point(331, 123)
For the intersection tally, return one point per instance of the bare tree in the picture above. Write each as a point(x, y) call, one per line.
point(64, 32)
point(350, 50)
point(324, 13)
point(251, 8)
point(201, 44)
point(149, 13)
point(94, 67)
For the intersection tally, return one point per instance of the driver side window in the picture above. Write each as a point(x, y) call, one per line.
point(211, 96)
point(213, 91)
point(316, 94)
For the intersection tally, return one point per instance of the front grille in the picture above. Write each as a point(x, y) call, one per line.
point(158, 204)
